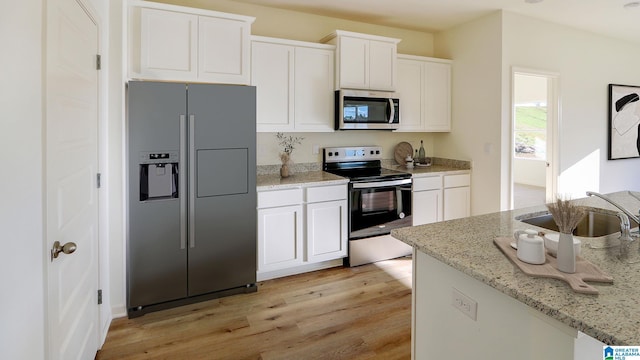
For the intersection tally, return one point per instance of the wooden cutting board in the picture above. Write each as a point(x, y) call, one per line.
point(585, 271)
point(402, 150)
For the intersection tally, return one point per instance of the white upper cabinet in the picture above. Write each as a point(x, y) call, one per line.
point(175, 43)
point(364, 61)
point(424, 85)
point(168, 43)
point(294, 84)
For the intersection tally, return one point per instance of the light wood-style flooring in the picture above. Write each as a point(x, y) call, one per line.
point(340, 313)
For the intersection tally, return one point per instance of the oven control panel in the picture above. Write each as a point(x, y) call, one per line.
point(346, 154)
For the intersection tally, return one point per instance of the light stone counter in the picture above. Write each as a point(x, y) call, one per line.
point(612, 316)
point(309, 178)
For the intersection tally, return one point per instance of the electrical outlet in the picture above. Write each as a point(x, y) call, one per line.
point(316, 149)
point(465, 304)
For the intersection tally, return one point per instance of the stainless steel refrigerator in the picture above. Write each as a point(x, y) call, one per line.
point(191, 226)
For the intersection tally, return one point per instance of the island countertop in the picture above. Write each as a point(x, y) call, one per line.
point(612, 316)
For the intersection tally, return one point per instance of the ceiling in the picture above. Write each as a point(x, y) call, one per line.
point(606, 17)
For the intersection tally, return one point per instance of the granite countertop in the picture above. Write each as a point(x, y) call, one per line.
point(612, 316)
point(310, 176)
point(307, 178)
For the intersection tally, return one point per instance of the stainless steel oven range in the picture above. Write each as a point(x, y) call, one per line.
point(379, 201)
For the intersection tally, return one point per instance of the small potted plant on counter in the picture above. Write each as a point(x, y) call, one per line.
point(288, 144)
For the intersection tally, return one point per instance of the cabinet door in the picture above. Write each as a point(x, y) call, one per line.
point(272, 74)
point(279, 238)
point(354, 64)
point(326, 230)
point(427, 207)
point(168, 45)
point(382, 65)
point(314, 101)
point(457, 202)
point(223, 50)
point(437, 96)
point(410, 88)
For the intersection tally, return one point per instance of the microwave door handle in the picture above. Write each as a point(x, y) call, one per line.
point(392, 111)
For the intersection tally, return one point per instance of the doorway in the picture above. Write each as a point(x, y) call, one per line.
point(534, 122)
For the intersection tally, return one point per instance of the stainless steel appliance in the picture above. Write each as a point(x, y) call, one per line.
point(379, 201)
point(191, 193)
point(363, 110)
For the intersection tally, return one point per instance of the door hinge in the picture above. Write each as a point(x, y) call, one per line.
point(98, 180)
point(98, 62)
point(100, 297)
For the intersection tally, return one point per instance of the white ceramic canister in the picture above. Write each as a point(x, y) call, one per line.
point(530, 246)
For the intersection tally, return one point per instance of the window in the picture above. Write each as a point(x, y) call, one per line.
point(530, 118)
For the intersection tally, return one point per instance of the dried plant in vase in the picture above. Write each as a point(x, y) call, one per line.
point(288, 144)
point(566, 215)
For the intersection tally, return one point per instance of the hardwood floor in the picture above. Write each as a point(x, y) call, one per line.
point(340, 313)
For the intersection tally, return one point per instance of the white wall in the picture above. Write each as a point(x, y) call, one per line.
point(484, 52)
point(476, 49)
point(586, 64)
point(22, 327)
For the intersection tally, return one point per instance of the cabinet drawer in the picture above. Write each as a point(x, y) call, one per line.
point(427, 183)
point(277, 198)
point(457, 180)
point(326, 193)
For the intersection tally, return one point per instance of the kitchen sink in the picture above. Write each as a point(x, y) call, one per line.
point(594, 224)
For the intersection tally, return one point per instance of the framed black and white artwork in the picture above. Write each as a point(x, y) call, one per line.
point(624, 121)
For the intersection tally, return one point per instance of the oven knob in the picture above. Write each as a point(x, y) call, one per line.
point(336, 153)
point(377, 152)
point(401, 215)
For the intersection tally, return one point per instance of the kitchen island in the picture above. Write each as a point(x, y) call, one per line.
point(516, 316)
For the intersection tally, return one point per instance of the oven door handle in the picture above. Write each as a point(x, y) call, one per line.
point(377, 184)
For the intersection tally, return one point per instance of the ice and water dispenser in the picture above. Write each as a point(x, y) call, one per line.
point(158, 175)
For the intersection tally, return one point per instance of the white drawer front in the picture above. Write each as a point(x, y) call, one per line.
point(457, 180)
point(267, 199)
point(326, 193)
point(427, 183)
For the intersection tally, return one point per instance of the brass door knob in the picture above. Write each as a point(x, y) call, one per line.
point(67, 248)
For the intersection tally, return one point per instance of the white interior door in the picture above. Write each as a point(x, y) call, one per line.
point(71, 168)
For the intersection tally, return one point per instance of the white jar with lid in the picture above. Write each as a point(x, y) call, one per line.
point(530, 246)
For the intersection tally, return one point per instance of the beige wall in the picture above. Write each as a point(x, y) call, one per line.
point(475, 48)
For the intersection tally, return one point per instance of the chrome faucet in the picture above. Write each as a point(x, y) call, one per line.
point(624, 215)
point(607, 199)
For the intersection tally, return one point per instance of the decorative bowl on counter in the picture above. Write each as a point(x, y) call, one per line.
point(551, 244)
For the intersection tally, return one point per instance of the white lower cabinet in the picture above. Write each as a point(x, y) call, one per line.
point(326, 223)
point(457, 196)
point(427, 200)
point(301, 229)
point(280, 229)
point(441, 197)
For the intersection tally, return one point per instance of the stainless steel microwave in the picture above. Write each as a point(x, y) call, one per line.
point(367, 110)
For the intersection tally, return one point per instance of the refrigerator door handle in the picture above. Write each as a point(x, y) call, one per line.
point(182, 180)
point(192, 181)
